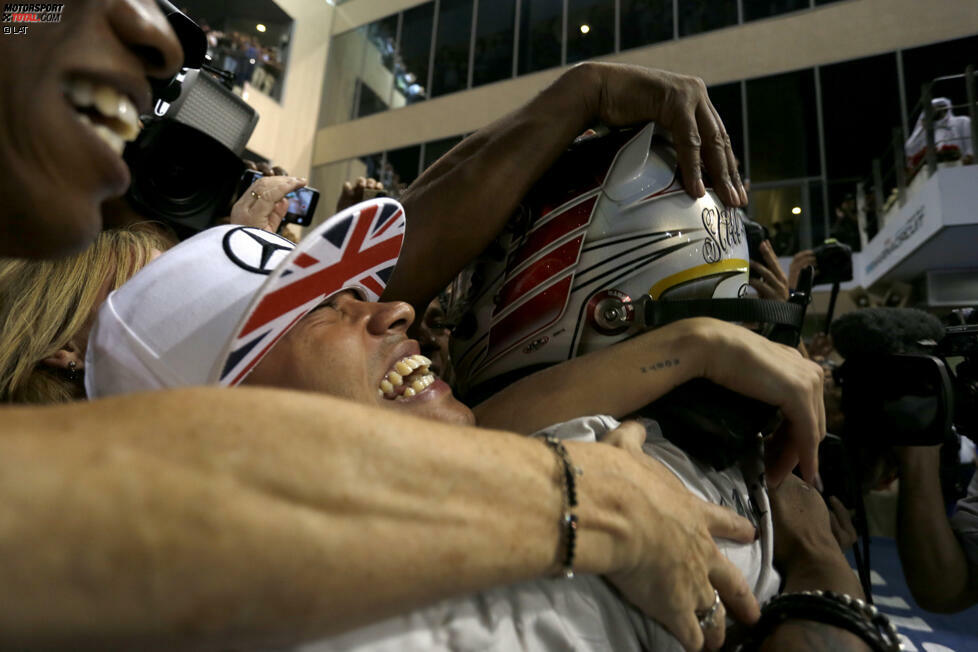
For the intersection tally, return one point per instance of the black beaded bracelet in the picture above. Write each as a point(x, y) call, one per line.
point(837, 609)
point(568, 519)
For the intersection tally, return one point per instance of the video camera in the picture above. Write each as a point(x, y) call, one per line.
point(186, 163)
point(906, 381)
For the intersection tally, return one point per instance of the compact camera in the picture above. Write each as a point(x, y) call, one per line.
point(833, 260)
point(302, 201)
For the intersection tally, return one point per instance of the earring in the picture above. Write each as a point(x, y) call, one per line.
point(72, 371)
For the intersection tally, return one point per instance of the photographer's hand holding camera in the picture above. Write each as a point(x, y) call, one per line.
point(767, 277)
point(264, 205)
point(939, 556)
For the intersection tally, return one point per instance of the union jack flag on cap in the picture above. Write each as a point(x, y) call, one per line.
point(355, 249)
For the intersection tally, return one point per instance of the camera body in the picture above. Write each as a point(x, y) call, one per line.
point(756, 234)
point(962, 341)
point(186, 163)
point(302, 201)
point(833, 260)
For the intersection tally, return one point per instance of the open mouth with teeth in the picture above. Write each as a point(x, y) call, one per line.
point(408, 377)
point(110, 114)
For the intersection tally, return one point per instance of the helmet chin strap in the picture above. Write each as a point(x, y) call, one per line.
point(784, 318)
point(789, 316)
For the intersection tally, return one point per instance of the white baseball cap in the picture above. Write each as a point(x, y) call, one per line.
point(208, 310)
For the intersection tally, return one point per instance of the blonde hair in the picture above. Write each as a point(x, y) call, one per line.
point(44, 303)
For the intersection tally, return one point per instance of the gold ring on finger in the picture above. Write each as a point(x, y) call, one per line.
point(256, 195)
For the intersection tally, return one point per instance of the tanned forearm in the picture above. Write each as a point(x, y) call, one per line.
point(826, 572)
point(191, 519)
point(935, 566)
point(615, 381)
point(460, 204)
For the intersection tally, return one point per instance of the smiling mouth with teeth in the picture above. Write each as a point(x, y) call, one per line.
point(408, 377)
point(109, 113)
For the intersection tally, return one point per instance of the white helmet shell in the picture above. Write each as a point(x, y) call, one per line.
point(609, 223)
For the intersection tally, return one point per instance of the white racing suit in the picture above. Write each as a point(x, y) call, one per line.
point(583, 613)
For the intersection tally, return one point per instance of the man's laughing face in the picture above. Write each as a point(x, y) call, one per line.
point(360, 350)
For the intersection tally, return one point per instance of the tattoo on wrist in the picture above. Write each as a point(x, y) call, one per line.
point(660, 365)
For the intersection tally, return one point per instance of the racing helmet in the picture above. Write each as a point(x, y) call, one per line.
point(607, 230)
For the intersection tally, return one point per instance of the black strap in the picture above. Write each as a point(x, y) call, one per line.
point(782, 313)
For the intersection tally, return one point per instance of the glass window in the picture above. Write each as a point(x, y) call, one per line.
point(590, 29)
point(697, 16)
point(382, 35)
point(252, 43)
point(376, 76)
point(792, 213)
point(494, 41)
point(401, 168)
point(726, 99)
point(452, 47)
point(754, 9)
point(541, 22)
point(782, 127)
point(411, 68)
point(644, 22)
point(368, 102)
point(342, 72)
point(923, 64)
point(370, 166)
point(860, 109)
point(438, 148)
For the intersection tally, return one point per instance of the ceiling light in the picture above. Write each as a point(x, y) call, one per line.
point(796, 210)
point(260, 27)
point(585, 29)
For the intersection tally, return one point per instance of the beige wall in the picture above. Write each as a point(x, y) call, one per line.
point(360, 12)
point(285, 131)
point(835, 32)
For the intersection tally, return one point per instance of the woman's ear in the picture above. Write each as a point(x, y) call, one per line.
point(68, 358)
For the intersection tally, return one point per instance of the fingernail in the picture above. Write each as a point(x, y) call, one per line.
point(700, 188)
point(743, 194)
point(757, 534)
point(734, 195)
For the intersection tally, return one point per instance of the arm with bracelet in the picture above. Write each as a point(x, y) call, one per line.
point(822, 606)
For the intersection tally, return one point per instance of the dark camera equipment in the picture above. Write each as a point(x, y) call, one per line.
point(962, 341)
point(833, 260)
point(186, 162)
point(193, 41)
point(756, 234)
point(302, 201)
point(899, 388)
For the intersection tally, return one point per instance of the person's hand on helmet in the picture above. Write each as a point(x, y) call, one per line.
point(680, 103)
point(677, 566)
point(754, 366)
point(767, 277)
point(263, 205)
